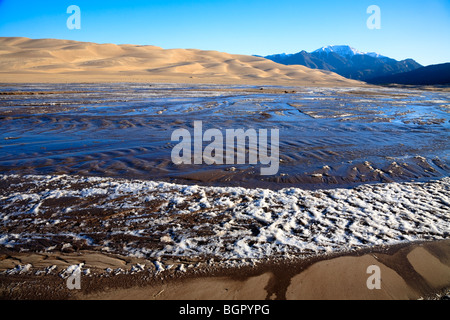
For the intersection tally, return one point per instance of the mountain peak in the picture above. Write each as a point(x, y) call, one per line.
point(342, 50)
point(347, 51)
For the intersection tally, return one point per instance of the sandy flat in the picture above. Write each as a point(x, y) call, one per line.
point(345, 278)
point(24, 60)
point(412, 272)
point(207, 288)
point(407, 272)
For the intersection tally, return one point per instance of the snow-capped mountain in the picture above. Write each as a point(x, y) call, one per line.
point(344, 51)
point(347, 61)
point(347, 51)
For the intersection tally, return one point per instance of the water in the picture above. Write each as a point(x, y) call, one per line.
point(328, 136)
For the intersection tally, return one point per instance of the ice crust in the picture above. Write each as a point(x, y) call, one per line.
point(223, 222)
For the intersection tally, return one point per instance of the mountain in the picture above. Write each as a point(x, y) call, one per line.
point(431, 75)
point(344, 51)
point(53, 60)
point(347, 61)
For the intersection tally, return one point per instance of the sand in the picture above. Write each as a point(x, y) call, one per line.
point(408, 272)
point(341, 278)
point(24, 60)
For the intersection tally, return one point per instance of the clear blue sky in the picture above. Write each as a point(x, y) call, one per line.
point(409, 29)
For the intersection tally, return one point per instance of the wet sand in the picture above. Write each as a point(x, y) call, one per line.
point(331, 138)
point(408, 272)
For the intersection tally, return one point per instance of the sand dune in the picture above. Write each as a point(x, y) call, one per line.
point(50, 60)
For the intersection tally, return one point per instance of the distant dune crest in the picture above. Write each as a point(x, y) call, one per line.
point(51, 60)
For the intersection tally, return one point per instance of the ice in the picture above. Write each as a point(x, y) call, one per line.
point(19, 269)
point(137, 268)
point(72, 270)
point(159, 266)
point(228, 222)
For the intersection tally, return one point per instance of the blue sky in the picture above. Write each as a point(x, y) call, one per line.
point(409, 29)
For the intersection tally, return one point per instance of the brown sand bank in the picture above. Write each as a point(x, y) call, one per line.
point(24, 60)
point(407, 271)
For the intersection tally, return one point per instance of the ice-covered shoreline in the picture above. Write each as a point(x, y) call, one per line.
point(150, 219)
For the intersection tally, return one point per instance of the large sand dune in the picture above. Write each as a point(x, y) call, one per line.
point(50, 60)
